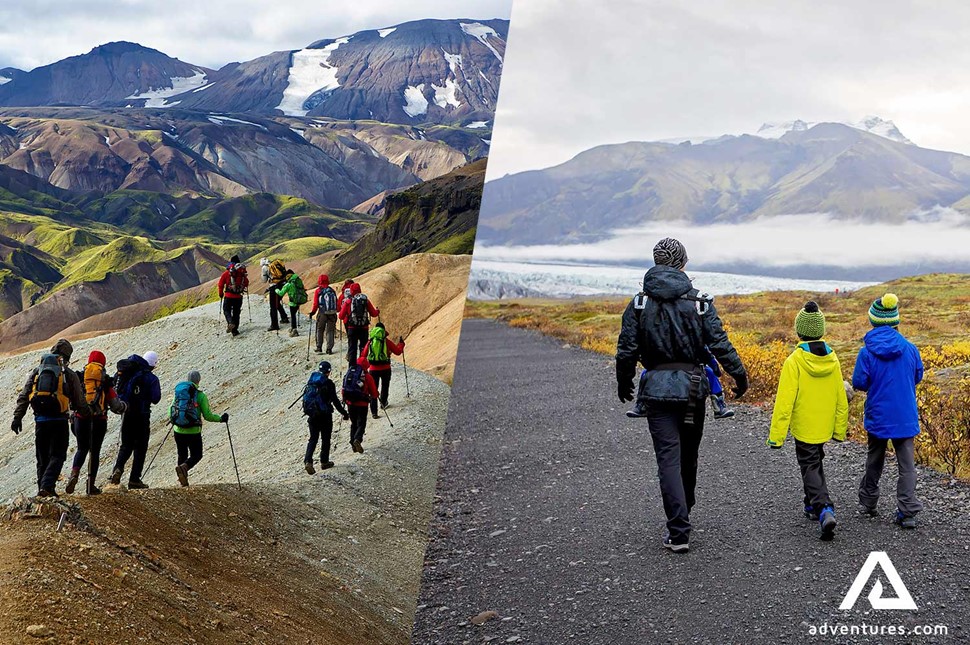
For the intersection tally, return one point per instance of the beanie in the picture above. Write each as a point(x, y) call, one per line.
point(234, 259)
point(885, 311)
point(195, 377)
point(324, 367)
point(151, 358)
point(670, 252)
point(810, 322)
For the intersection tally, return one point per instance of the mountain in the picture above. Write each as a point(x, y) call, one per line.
point(830, 168)
point(118, 73)
point(872, 124)
point(8, 74)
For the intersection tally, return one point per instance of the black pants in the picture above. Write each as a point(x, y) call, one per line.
point(135, 429)
point(321, 429)
point(326, 326)
point(90, 437)
point(356, 341)
point(276, 309)
point(50, 441)
point(293, 312)
point(676, 445)
point(189, 448)
point(382, 378)
point(231, 309)
point(358, 422)
point(810, 456)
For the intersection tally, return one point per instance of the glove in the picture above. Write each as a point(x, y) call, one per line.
point(346, 417)
point(17, 426)
point(740, 385)
point(771, 444)
point(225, 417)
point(624, 390)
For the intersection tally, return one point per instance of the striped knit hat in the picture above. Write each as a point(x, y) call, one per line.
point(810, 322)
point(885, 311)
point(670, 252)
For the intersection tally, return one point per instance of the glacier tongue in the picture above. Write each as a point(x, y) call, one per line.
point(310, 72)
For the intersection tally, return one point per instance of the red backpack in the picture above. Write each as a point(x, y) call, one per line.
point(237, 278)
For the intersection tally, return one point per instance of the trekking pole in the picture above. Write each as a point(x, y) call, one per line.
point(219, 313)
point(249, 306)
point(404, 358)
point(159, 448)
point(387, 417)
point(297, 399)
point(309, 335)
point(233, 451)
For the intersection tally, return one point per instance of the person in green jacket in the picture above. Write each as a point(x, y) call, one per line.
point(189, 407)
point(813, 405)
point(295, 293)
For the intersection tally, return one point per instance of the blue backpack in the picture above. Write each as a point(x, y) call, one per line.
point(354, 384)
point(315, 403)
point(185, 410)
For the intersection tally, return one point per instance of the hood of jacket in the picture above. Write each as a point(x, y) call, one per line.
point(817, 366)
point(363, 362)
point(323, 281)
point(63, 347)
point(97, 357)
point(885, 342)
point(354, 289)
point(666, 283)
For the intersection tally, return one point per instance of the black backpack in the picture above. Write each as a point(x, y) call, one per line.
point(128, 379)
point(47, 397)
point(354, 384)
point(359, 315)
point(327, 301)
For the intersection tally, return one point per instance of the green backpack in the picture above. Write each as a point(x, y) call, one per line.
point(378, 346)
point(299, 296)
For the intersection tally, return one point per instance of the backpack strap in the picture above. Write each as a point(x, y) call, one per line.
point(640, 301)
point(702, 302)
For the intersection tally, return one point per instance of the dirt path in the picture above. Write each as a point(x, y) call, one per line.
point(548, 513)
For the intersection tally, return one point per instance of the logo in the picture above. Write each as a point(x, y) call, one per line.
point(903, 599)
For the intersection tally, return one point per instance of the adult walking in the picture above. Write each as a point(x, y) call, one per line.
point(295, 293)
point(190, 406)
point(276, 272)
point(232, 285)
point(139, 388)
point(325, 308)
point(378, 352)
point(356, 312)
point(666, 328)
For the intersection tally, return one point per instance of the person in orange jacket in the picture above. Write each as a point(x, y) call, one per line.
point(356, 313)
point(359, 389)
point(378, 352)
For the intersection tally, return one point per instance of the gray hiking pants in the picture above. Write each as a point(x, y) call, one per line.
point(810, 457)
point(326, 326)
point(906, 500)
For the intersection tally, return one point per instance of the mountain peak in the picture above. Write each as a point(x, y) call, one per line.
point(119, 47)
point(870, 123)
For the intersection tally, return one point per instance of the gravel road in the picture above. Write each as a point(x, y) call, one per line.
point(548, 513)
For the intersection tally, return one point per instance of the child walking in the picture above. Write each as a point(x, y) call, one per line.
point(319, 402)
point(888, 369)
point(811, 403)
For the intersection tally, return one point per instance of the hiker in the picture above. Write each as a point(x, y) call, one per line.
point(51, 391)
point(356, 312)
point(294, 291)
point(358, 391)
point(277, 278)
point(378, 352)
point(319, 402)
point(139, 388)
point(345, 293)
point(232, 285)
point(325, 302)
point(713, 371)
point(812, 404)
point(666, 328)
point(888, 368)
point(189, 407)
point(264, 268)
point(90, 429)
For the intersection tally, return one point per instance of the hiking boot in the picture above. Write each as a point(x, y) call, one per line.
point(675, 547)
point(810, 512)
point(93, 490)
point(865, 509)
point(639, 410)
point(356, 446)
point(318, 351)
point(115, 477)
point(326, 465)
point(234, 330)
point(182, 472)
point(721, 409)
point(383, 405)
point(376, 416)
point(285, 320)
point(43, 492)
point(294, 333)
point(136, 484)
point(273, 329)
point(229, 328)
point(827, 523)
point(905, 521)
point(72, 481)
point(309, 468)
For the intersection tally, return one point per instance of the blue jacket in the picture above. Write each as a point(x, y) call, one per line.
point(888, 368)
point(148, 386)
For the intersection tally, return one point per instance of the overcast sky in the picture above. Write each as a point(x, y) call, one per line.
point(579, 74)
point(204, 32)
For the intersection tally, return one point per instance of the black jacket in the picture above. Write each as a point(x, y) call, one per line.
point(674, 326)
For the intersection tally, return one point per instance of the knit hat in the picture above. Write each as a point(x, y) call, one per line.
point(234, 259)
point(97, 357)
point(324, 367)
point(810, 322)
point(670, 252)
point(151, 358)
point(195, 377)
point(64, 349)
point(885, 311)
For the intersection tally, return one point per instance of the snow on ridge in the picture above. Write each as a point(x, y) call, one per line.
point(454, 61)
point(474, 125)
point(446, 95)
point(4, 79)
point(871, 124)
point(156, 98)
point(384, 33)
point(416, 103)
point(481, 33)
point(204, 87)
point(310, 73)
point(218, 119)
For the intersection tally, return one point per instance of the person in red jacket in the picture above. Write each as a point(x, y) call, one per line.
point(344, 292)
point(325, 302)
point(359, 390)
point(356, 313)
point(232, 285)
point(378, 352)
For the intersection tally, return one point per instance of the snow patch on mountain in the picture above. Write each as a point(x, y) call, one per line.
point(475, 125)
point(481, 32)
point(221, 120)
point(446, 95)
point(384, 33)
point(310, 72)
point(415, 102)
point(454, 61)
point(872, 124)
point(157, 98)
point(4, 79)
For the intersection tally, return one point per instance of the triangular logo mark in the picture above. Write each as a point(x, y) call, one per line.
point(903, 599)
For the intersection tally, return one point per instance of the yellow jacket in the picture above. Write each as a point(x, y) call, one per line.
point(811, 399)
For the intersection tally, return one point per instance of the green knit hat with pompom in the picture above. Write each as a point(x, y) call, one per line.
point(885, 311)
point(810, 322)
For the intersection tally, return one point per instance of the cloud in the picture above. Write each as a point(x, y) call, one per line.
point(581, 74)
point(210, 33)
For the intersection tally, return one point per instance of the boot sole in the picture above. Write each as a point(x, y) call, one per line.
point(71, 485)
point(676, 548)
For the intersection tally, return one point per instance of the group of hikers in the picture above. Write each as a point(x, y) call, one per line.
point(65, 401)
point(675, 333)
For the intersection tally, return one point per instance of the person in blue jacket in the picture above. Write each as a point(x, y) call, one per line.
point(888, 369)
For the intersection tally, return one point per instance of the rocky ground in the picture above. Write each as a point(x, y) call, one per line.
point(288, 558)
point(548, 522)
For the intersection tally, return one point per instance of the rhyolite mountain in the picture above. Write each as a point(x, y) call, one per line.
point(828, 168)
point(425, 71)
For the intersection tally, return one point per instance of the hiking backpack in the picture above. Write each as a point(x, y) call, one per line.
point(277, 271)
point(327, 301)
point(348, 294)
point(95, 382)
point(47, 397)
point(354, 383)
point(185, 409)
point(377, 352)
point(237, 275)
point(299, 296)
point(128, 381)
point(315, 403)
point(359, 315)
